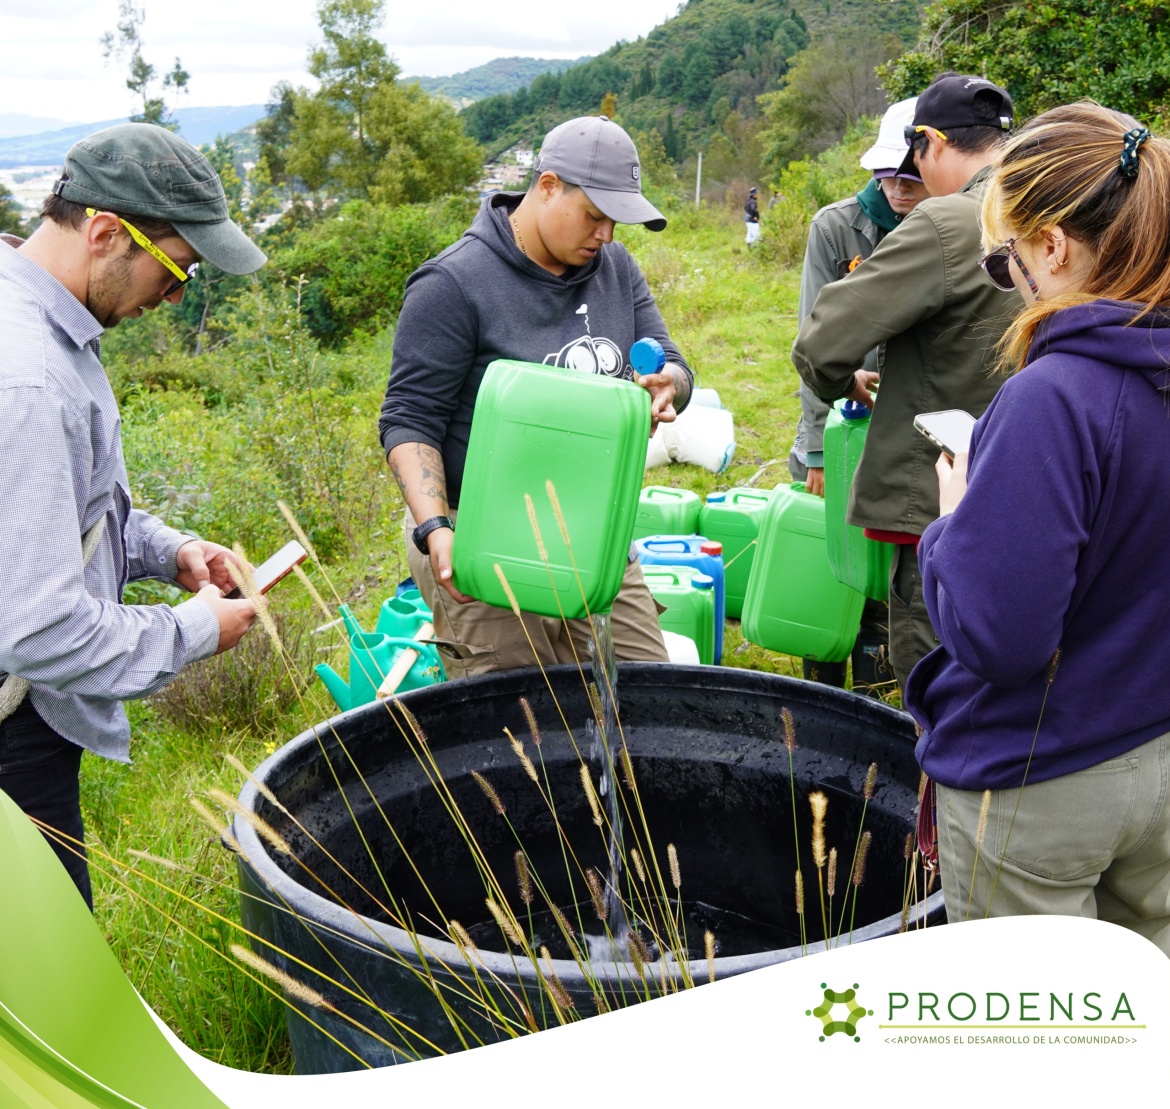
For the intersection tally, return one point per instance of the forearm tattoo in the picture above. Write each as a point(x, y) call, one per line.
point(418, 469)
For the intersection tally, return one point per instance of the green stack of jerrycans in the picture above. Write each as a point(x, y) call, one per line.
point(794, 603)
point(550, 448)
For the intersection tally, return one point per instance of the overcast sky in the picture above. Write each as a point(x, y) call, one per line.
point(236, 50)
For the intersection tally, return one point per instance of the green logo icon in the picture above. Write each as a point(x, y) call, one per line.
point(848, 1022)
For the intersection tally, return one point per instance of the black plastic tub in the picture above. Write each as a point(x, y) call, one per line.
point(707, 746)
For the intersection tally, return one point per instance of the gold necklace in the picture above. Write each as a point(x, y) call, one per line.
point(519, 237)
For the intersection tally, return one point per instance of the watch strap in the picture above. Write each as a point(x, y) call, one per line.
point(420, 533)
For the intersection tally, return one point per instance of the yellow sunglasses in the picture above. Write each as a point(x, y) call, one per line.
point(181, 277)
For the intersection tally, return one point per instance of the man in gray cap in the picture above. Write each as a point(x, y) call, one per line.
point(536, 278)
point(135, 210)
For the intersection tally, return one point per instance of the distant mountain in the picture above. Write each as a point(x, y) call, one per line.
point(499, 76)
point(17, 123)
point(196, 125)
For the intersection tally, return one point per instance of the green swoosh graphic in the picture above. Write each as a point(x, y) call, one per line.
point(74, 1034)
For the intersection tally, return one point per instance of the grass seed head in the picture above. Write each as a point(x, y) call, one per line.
point(551, 490)
point(1053, 666)
point(819, 803)
point(908, 846)
point(522, 755)
point(506, 922)
point(595, 704)
point(862, 855)
point(870, 782)
point(639, 952)
point(596, 892)
point(831, 880)
point(298, 991)
point(627, 768)
point(789, 729)
point(263, 829)
point(639, 869)
point(264, 791)
point(461, 937)
point(412, 723)
point(507, 588)
point(591, 794)
point(672, 858)
point(523, 878)
point(984, 810)
point(709, 950)
point(214, 822)
point(490, 793)
point(311, 589)
point(799, 894)
point(530, 716)
point(298, 531)
point(563, 921)
point(246, 584)
point(541, 549)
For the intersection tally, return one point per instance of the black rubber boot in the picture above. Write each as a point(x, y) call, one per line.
point(827, 673)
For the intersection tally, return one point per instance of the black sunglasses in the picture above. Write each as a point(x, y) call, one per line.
point(997, 266)
point(179, 282)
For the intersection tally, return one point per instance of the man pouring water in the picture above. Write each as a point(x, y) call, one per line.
point(536, 278)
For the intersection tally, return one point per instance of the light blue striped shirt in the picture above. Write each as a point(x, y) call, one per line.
point(63, 626)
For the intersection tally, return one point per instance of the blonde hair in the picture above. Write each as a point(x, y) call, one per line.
point(1064, 167)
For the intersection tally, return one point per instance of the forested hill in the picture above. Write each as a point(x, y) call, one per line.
point(684, 78)
point(499, 76)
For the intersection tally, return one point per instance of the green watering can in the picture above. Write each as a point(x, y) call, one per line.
point(372, 656)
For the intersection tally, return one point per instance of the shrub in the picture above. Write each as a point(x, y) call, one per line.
point(357, 262)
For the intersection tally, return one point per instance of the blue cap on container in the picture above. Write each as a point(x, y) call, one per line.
point(716, 498)
point(703, 581)
point(854, 410)
point(647, 356)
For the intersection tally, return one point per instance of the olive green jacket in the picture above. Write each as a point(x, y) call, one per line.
point(923, 294)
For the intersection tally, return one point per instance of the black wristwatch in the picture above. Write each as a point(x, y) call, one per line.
point(420, 533)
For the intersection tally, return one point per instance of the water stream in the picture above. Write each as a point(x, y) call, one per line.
point(603, 743)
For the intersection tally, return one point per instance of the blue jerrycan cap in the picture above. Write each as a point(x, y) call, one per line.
point(647, 356)
point(716, 498)
point(702, 581)
point(854, 410)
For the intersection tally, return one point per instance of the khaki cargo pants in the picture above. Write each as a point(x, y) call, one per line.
point(476, 638)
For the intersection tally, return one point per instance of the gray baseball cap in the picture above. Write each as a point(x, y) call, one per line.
point(596, 154)
point(141, 169)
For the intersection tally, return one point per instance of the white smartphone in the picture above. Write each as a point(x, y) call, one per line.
point(949, 430)
point(271, 570)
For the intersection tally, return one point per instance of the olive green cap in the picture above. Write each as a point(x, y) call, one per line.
point(140, 169)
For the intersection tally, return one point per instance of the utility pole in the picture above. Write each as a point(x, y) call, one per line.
point(698, 178)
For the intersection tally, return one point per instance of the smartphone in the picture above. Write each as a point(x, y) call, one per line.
point(950, 430)
point(271, 570)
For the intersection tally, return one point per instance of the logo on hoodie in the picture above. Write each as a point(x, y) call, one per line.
point(591, 355)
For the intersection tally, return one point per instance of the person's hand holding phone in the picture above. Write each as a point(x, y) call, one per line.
point(201, 563)
point(952, 481)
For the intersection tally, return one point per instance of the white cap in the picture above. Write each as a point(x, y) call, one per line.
point(890, 148)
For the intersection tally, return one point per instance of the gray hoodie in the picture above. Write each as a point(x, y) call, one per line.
point(482, 299)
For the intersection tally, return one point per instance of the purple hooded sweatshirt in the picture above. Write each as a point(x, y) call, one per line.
point(1062, 540)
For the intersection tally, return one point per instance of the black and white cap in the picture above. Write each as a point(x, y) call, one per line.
point(595, 154)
